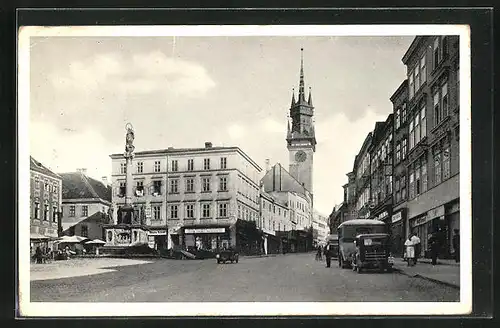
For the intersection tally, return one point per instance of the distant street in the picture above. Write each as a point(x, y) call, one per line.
point(292, 277)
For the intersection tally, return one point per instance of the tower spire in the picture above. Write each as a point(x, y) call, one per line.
point(293, 97)
point(310, 101)
point(301, 81)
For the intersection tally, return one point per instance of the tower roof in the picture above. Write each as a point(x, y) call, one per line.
point(302, 96)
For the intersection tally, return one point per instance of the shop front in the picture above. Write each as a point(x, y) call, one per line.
point(203, 238)
point(157, 238)
point(398, 233)
point(430, 223)
point(452, 215)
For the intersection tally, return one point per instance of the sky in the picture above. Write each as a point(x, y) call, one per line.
point(231, 91)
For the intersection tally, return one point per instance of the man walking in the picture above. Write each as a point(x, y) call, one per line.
point(456, 245)
point(328, 255)
point(434, 246)
point(416, 244)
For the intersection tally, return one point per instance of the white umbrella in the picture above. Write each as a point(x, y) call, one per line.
point(95, 241)
point(71, 239)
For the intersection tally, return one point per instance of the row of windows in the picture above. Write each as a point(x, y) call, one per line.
point(246, 213)
point(174, 165)
point(205, 211)
point(248, 190)
point(47, 186)
point(46, 214)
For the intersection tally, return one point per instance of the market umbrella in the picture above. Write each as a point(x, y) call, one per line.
point(71, 239)
point(95, 242)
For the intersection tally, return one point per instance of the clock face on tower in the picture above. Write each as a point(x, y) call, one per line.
point(300, 156)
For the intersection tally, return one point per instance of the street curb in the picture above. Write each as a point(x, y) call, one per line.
point(449, 284)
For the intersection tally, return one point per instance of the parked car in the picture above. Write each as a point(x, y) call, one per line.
point(225, 255)
point(372, 252)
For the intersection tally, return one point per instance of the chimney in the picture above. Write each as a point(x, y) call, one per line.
point(105, 180)
point(208, 144)
point(268, 164)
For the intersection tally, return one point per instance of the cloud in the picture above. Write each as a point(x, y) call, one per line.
point(143, 73)
point(66, 151)
point(236, 131)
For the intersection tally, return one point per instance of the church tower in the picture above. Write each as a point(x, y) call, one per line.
point(301, 140)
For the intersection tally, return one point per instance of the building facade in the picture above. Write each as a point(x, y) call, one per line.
point(320, 228)
point(399, 227)
point(432, 64)
point(362, 180)
point(86, 204)
point(193, 197)
point(45, 205)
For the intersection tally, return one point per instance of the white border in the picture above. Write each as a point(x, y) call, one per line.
point(27, 308)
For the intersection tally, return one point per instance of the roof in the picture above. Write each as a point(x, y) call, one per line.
point(412, 48)
point(76, 185)
point(40, 168)
point(96, 217)
point(402, 87)
point(361, 222)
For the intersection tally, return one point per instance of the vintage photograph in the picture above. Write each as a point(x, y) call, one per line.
point(269, 166)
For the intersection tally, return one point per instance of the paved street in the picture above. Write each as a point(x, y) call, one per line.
point(292, 277)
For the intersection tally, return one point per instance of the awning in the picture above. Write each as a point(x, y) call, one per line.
point(37, 236)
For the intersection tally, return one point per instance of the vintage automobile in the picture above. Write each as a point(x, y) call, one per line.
point(226, 255)
point(333, 242)
point(372, 252)
point(347, 232)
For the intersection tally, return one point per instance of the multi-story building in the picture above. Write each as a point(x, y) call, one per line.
point(399, 228)
point(432, 64)
point(320, 228)
point(274, 219)
point(201, 198)
point(45, 202)
point(362, 179)
point(85, 205)
point(381, 171)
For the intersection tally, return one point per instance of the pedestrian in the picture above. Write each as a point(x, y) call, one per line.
point(417, 245)
point(410, 251)
point(456, 245)
point(318, 253)
point(328, 255)
point(434, 248)
point(38, 255)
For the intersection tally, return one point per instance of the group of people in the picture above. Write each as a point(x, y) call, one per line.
point(326, 251)
point(44, 255)
point(413, 247)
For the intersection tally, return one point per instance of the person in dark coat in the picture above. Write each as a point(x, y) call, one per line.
point(38, 255)
point(328, 255)
point(456, 245)
point(434, 247)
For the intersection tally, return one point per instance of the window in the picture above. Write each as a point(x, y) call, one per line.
point(404, 149)
point(397, 190)
point(139, 188)
point(412, 134)
point(423, 69)
point(389, 185)
point(156, 188)
point(54, 188)
point(190, 164)
point(205, 184)
point(54, 214)
point(223, 184)
point(156, 212)
point(436, 52)
point(423, 122)
point(122, 189)
point(174, 211)
point(403, 187)
point(84, 231)
point(239, 211)
point(223, 210)
point(189, 185)
point(412, 184)
point(175, 165)
point(411, 85)
point(437, 166)
point(417, 178)
point(123, 168)
point(424, 173)
point(157, 167)
point(398, 152)
point(274, 209)
point(174, 186)
point(140, 167)
point(417, 77)
point(72, 210)
point(37, 211)
point(190, 211)
point(403, 114)
point(446, 162)
point(205, 210)
point(46, 212)
point(444, 100)
point(223, 163)
point(85, 210)
point(417, 128)
point(398, 122)
point(206, 164)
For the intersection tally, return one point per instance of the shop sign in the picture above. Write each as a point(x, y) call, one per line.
point(420, 220)
point(436, 212)
point(382, 216)
point(205, 230)
point(157, 232)
point(397, 217)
